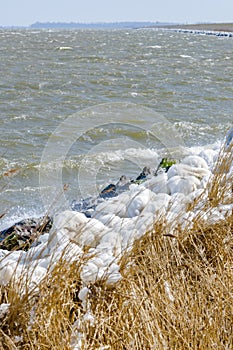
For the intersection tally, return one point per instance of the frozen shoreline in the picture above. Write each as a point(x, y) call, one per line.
point(182, 198)
point(201, 32)
point(117, 222)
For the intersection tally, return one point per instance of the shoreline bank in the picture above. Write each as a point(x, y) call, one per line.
point(217, 29)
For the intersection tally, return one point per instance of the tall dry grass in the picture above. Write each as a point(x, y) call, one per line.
point(176, 292)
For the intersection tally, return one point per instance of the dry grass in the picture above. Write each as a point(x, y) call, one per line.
point(217, 27)
point(176, 293)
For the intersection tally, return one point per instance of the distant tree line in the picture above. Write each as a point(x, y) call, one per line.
point(113, 25)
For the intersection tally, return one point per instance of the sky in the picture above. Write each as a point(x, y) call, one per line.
point(26, 12)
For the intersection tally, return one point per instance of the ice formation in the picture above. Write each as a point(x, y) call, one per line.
point(116, 223)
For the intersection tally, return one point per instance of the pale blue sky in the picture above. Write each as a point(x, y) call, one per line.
point(26, 12)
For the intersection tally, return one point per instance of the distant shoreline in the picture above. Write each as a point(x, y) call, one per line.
point(92, 25)
point(206, 28)
point(214, 27)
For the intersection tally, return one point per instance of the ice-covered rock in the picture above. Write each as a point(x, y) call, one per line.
point(187, 170)
point(195, 161)
point(180, 184)
point(210, 156)
point(111, 242)
point(139, 201)
point(157, 184)
point(70, 226)
point(7, 271)
point(101, 266)
point(116, 206)
point(158, 206)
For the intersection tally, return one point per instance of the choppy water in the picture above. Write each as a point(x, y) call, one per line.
point(47, 76)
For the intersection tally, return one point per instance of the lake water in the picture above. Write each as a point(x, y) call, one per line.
point(96, 94)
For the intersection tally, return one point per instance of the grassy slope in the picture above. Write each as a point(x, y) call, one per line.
point(176, 293)
point(219, 27)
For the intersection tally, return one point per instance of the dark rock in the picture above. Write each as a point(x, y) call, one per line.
point(108, 192)
point(22, 234)
point(123, 184)
point(144, 174)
